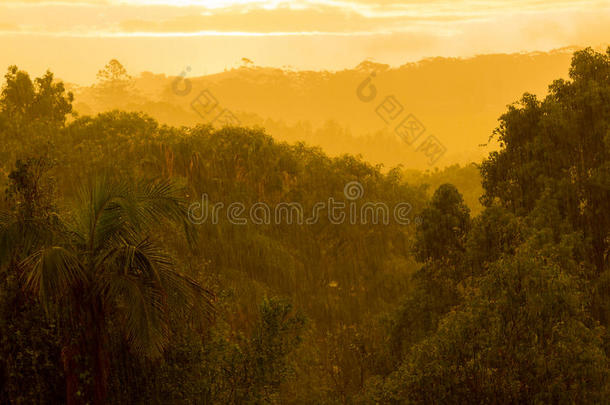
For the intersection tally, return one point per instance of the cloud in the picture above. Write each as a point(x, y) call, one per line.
point(478, 20)
point(55, 2)
point(50, 3)
point(321, 19)
point(8, 27)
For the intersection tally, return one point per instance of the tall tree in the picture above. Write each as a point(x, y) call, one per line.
point(445, 224)
point(31, 114)
point(560, 146)
point(105, 271)
point(114, 84)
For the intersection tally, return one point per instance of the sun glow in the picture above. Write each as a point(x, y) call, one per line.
point(308, 34)
point(209, 4)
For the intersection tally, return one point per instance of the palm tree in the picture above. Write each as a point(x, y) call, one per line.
point(104, 271)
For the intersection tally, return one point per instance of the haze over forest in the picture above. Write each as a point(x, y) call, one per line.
point(458, 100)
point(308, 225)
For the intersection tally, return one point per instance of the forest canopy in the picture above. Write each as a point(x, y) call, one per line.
point(490, 293)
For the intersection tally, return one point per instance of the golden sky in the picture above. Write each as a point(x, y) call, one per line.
point(74, 38)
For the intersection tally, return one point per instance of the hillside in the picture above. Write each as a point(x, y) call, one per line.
point(456, 100)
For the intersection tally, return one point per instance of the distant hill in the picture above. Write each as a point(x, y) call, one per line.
point(457, 100)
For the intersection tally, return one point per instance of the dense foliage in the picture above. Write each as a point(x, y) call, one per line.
point(110, 292)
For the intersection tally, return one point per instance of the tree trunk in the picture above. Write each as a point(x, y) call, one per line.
point(68, 357)
point(101, 365)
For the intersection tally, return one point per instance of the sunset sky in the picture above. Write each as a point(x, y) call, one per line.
point(74, 38)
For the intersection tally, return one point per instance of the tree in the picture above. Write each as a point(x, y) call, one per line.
point(113, 73)
point(30, 344)
point(559, 146)
point(525, 327)
point(495, 232)
point(31, 113)
point(523, 337)
point(43, 100)
point(444, 225)
point(105, 272)
point(114, 84)
point(440, 244)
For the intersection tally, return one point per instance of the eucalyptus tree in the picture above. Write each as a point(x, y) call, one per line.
point(559, 146)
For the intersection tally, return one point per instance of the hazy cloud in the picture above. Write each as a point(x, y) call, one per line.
point(169, 35)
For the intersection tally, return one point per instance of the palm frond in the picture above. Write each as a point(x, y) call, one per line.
point(52, 273)
point(142, 283)
point(141, 312)
point(161, 201)
point(107, 214)
point(20, 237)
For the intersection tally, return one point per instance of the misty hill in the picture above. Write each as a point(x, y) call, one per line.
point(457, 100)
